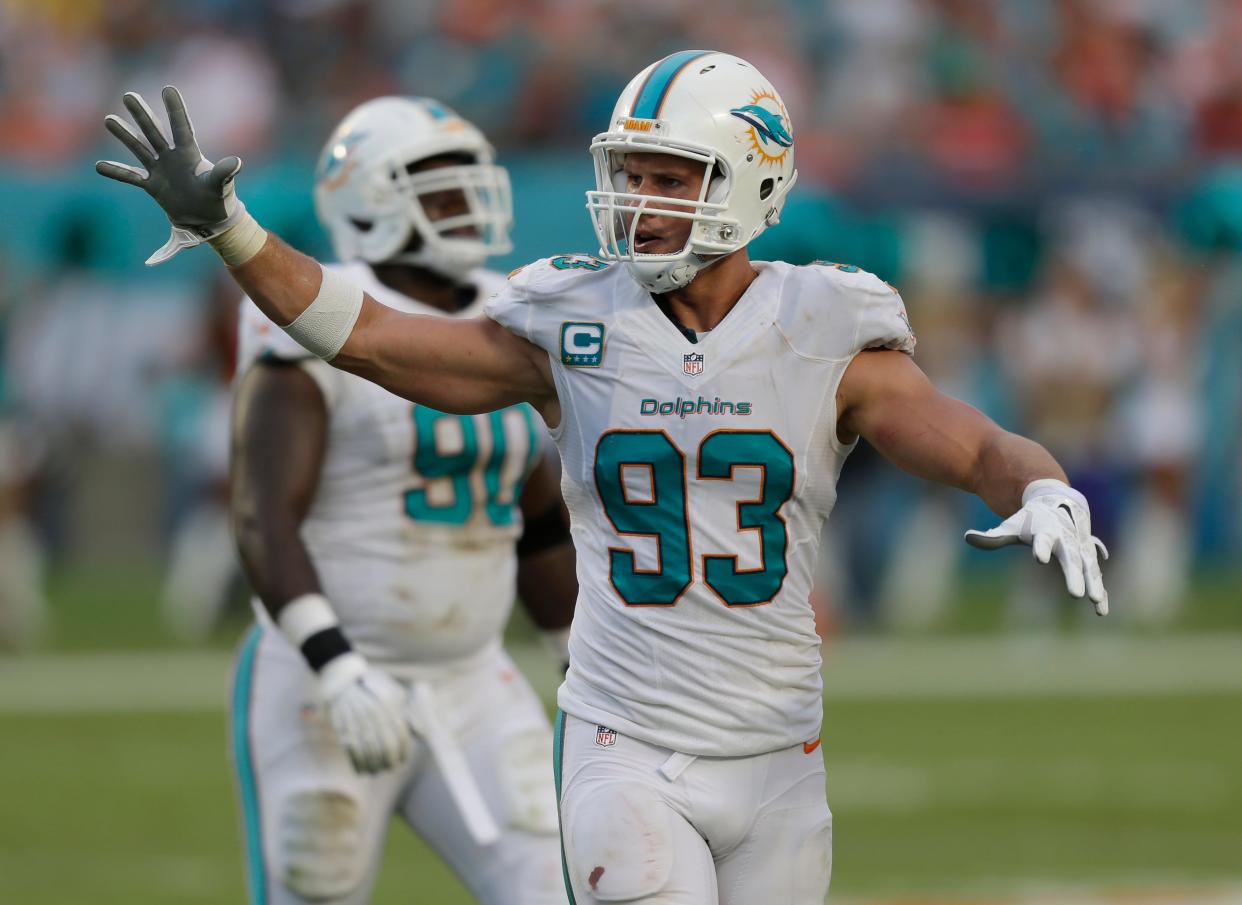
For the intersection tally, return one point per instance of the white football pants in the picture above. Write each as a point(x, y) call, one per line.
point(640, 823)
point(314, 830)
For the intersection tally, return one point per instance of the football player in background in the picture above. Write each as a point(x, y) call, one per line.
point(380, 538)
point(703, 405)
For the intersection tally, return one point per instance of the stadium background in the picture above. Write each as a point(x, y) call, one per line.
point(1055, 187)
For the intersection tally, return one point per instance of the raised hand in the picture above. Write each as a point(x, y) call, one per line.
point(197, 196)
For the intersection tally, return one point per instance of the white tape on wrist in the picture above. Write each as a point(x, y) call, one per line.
point(325, 326)
point(304, 616)
point(1052, 487)
point(240, 242)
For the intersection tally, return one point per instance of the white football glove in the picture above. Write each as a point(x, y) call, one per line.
point(197, 195)
point(1056, 521)
point(366, 707)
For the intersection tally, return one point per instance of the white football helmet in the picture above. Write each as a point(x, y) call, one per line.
point(708, 107)
point(369, 201)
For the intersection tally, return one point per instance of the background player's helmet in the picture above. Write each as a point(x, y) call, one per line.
point(709, 107)
point(368, 199)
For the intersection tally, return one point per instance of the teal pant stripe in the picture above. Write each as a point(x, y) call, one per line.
point(252, 835)
point(558, 751)
point(651, 97)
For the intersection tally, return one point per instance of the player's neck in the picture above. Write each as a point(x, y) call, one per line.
point(423, 285)
point(711, 295)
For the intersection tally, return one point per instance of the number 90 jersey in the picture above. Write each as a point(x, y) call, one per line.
point(413, 522)
point(698, 476)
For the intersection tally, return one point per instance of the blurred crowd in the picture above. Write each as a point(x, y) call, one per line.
point(1056, 187)
point(973, 92)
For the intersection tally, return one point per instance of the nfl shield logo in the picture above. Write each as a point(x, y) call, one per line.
point(605, 737)
point(692, 364)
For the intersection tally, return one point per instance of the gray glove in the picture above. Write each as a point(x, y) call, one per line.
point(197, 195)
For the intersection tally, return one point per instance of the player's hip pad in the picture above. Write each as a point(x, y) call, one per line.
point(320, 844)
point(618, 843)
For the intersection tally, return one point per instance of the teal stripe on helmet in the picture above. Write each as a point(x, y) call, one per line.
point(651, 96)
point(256, 871)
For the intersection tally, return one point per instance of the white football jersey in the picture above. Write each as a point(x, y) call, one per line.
point(698, 476)
point(413, 523)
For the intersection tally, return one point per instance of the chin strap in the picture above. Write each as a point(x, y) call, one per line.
point(693, 266)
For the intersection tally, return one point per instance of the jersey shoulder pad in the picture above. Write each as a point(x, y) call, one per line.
point(834, 311)
point(488, 282)
point(550, 275)
point(259, 339)
point(540, 297)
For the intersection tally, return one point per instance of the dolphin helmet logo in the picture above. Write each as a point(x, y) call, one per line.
point(335, 166)
point(767, 125)
point(770, 135)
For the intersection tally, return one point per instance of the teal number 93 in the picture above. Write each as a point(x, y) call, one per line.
point(470, 482)
point(663, 514)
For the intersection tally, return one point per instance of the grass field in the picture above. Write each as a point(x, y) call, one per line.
point(976, 770)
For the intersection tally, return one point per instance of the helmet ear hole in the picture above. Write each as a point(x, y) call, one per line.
point(765, 188)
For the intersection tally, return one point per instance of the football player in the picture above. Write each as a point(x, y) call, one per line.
point(380, 538)
point(703, 405)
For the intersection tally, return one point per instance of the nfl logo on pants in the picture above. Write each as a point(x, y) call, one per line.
point(692, 364)
point(605, 737)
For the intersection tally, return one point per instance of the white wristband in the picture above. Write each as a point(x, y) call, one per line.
point(324, 326)
point(1052, 487)
point(304, 616)
point(240, 242)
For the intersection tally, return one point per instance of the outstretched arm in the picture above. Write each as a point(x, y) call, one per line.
point(458, 366)
point(887, 399)
point(454, 366)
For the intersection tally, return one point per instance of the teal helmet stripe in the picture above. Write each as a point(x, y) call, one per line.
point(651, 95)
